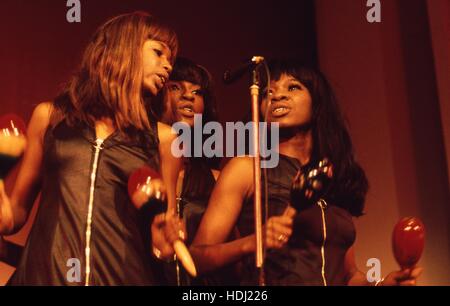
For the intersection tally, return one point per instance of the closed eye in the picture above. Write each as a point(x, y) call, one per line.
point(158, 52)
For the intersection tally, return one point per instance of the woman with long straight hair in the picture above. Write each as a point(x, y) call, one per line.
point(82, 148)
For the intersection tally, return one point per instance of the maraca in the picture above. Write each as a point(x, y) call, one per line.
point(147, 191)
point(310, 184)
point(12, 142)
point(408, 241)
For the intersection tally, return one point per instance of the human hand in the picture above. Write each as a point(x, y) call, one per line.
point(406, 277)
point(279, 229)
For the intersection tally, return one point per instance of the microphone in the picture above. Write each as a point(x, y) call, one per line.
point(234, 74)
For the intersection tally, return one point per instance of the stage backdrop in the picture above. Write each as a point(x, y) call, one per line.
point(388, 76)
point(392, 79)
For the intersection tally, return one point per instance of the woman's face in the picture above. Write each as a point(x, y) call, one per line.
point(156, 65)
point(182, 100)
point(291, 103)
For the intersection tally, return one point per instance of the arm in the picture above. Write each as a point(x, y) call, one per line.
point(209, 248)
point(14, 210)
point(354, 276)
point(165, 228)
point(170, 165)
point(235, 184)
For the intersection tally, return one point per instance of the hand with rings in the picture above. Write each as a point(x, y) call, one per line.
point(279, 229)
point(165, 229)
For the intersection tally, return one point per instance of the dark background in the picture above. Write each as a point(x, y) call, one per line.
point(40, 48)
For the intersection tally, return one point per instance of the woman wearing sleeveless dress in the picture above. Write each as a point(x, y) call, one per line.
point(82, 147)
point(308, 246)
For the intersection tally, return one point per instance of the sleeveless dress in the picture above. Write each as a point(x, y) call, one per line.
point(300, 262)
point(86, 231)
point(198, 183)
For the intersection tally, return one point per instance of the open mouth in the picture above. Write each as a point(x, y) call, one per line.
point(279, 110)
point(186, 110)
point(161, 81)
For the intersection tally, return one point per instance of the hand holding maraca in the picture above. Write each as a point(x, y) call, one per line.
point(12, 142)
point(147, 191)
point(408, 241)
point(12, 146)
point(166, 231)
point(407, 277)
point(310, 184)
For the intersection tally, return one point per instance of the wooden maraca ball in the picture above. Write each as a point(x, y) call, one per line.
point(408, 241)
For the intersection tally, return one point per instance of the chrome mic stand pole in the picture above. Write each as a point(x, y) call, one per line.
point(177, 261)
point(254, 93)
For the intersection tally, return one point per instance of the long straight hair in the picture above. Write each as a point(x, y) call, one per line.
point(109, 81)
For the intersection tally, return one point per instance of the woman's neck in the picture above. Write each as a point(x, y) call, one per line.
point(296, 144)
point(103, 128)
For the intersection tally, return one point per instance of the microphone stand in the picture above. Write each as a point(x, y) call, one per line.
point(259, 252)
point(177, 261)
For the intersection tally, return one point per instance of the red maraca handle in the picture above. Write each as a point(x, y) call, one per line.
point(408, 241)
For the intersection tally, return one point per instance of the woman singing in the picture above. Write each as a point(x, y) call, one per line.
point(82, 147)
point(308, 246)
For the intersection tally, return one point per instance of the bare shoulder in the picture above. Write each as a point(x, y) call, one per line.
point(40, 119)
point(245, 163)
point(43, 110)
point(165, 133)
point(238, 174)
